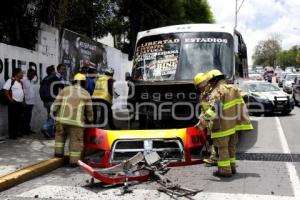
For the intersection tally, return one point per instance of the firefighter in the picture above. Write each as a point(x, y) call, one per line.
point(72, 109)
point(226, 114)
point(203, 88)
point(103, 95)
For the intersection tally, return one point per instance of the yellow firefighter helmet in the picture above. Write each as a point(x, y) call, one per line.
point(199, 78)
point(213, 73)
point(79, 77)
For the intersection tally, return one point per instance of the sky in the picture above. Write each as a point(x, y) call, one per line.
point(260, 19)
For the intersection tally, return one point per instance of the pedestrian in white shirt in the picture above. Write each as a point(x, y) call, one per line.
point(28, 84)
point(15, 94)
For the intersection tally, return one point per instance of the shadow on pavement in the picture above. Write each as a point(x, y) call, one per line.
point(236, 177)
point(247, 139)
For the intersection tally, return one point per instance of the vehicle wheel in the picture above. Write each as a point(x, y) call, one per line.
point(286, 112)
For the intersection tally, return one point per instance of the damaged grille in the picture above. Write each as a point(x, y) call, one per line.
point(167, 149)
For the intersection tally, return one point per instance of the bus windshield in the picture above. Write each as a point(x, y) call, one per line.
point(180, 56)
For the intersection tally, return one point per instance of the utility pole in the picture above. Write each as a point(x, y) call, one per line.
point(237, 9)
point(235, 23)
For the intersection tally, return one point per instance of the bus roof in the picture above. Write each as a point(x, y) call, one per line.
point(185, 28)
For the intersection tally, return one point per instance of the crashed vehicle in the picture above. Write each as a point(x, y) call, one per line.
point(162, 97)
point(264, 97)
point(172, 145)
point(118, 145)
point(161, 89)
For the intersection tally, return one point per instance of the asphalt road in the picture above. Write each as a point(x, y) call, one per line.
point(268, 171)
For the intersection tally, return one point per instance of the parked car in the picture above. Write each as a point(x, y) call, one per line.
point(290, 69)
point(282, 78)
point(296, 91)
point(288, 82)
point(259, 69)
point(256, 77)
point(264, 97)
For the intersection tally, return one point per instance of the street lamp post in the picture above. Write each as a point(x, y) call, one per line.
point(237, 9)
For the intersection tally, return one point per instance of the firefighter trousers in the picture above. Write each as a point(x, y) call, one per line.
point(226, 150)
point(75, 134)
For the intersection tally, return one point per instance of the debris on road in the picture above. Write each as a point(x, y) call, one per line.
point(140, 168)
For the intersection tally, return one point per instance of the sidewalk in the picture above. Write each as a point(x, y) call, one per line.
point(28, 150)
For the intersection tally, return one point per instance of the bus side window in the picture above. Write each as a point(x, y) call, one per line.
point(241, 65)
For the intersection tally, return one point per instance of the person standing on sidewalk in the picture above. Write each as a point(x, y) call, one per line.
point(29, 101)
point(45, 95)
point(50, 87)
point(14, 92)
point(72, 109)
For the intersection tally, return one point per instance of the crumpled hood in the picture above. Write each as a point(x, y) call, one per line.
point(270, 95)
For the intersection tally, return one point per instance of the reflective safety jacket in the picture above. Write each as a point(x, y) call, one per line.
point(73, 106)
point(227, 111)
point(204, 105)
point(103, 89)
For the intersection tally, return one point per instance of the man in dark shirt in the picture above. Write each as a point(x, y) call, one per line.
point(56, 83)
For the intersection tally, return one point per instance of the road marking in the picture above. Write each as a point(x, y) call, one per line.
point(283, 141)
point(295, 182)
point(80, 193)
point(294, 179)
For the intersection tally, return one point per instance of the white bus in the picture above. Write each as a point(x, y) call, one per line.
point(166, 59)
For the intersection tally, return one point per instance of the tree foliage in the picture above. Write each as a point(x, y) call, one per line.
point(289, 57)
point(19, 22)
point(90, 17)
point(142, 15)
point(20, 19)
point(266, 51)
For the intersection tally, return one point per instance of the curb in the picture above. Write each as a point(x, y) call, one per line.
point(28, 173)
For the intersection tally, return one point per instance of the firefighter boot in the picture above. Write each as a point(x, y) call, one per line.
point(233, 168)
point(224, 167)
point(209, 162)
point(76, 144)
point(223, 173)
point(213, 159)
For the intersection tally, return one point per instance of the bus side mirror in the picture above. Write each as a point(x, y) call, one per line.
point(243, 52)
point(127, 76)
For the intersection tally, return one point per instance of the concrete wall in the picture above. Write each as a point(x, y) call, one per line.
point(47, 53)
point(119, 62)
point(11, 56)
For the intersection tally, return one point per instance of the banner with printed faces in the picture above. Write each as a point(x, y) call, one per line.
point(78, 51)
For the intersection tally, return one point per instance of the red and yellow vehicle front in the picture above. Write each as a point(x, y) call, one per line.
point(171, 144)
